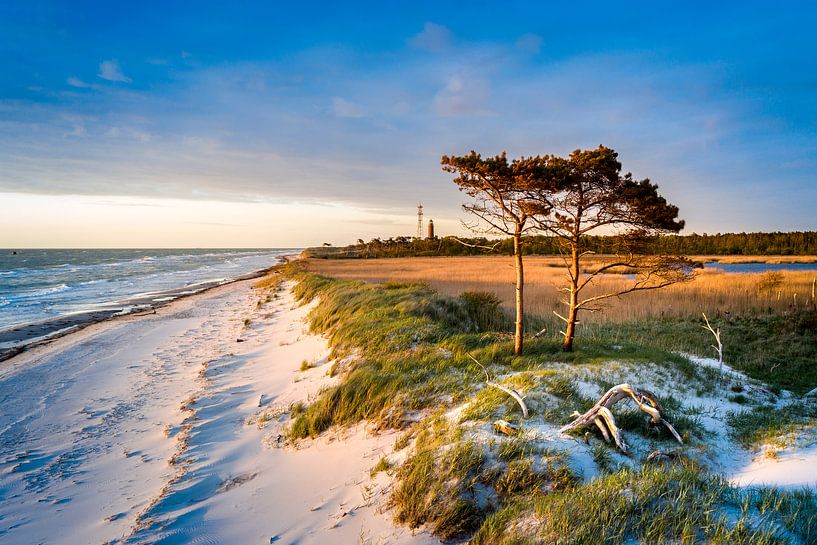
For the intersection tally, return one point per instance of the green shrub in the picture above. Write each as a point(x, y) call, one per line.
point(486, 311)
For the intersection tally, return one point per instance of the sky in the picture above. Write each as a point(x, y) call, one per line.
point(287, 124)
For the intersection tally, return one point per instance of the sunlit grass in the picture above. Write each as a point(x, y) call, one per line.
point(654, 504)
point(712, 291)
point(410, 370)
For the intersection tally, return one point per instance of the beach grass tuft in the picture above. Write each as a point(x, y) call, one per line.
point(654, 504)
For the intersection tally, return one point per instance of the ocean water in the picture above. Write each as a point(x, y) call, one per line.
point(36, 285)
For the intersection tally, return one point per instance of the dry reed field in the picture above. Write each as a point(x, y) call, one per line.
point(711, 291)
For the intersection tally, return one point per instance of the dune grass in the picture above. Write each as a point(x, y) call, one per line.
point(402, 349)
point(771, 424)
point(654, 504)
point(412, 343)
point(778, 349)
point(766, 334)
point(411, 346)
point(452, 482)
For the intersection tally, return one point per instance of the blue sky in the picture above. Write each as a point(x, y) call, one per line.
point(333, 117)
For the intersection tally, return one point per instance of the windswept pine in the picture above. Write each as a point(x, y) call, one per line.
point(571, 199)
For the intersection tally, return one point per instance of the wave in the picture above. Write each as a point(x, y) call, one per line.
point(96, 281)
point(209, 281)
point(45, 291)
point(79, 282)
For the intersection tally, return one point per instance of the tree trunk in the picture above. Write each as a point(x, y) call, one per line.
point(573, 311)
point(570, 330)
point(520, 285)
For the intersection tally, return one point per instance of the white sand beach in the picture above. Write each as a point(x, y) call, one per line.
point(164, 429)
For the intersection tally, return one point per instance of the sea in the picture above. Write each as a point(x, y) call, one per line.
point(39, 286)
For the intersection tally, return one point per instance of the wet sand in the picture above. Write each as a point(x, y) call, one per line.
point(17, 339)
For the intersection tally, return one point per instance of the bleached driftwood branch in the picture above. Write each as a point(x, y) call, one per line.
point(602, 417)
point(478, 246)
point(510, 391)
point(656, 454)
point(719, 348)
point(503, 426)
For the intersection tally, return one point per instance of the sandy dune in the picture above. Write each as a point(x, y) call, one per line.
point(163, 429)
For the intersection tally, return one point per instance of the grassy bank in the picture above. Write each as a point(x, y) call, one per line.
point(769, 323)
point(402, 353)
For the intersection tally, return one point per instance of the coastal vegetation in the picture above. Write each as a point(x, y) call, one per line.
point(501, 201)
point(770, 332)
point(570, 199)
point(403, 354)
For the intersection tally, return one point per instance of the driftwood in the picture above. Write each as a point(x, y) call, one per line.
point(503, 426)
point(656, 454)
point(510, 391)
point(602, 417)
point(719, 348)
point(545, 330)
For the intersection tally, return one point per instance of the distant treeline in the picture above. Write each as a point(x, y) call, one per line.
point(793, 243)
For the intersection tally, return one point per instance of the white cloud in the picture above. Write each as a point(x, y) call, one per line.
point(462, 96)
point(433, 37)
point(530, 43)
point(76, 82)
point(77, 131)
point(111, 71)
point(344, 108)
point(128, 132)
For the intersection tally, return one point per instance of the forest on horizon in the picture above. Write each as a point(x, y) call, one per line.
point(762, 244)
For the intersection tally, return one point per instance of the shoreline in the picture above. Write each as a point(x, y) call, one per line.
point(19, 339)
point(166, 425)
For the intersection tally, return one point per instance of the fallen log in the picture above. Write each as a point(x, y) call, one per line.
point(602, 417)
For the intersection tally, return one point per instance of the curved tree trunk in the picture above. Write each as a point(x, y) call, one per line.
point(520, 286)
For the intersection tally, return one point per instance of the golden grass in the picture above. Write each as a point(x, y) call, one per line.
point(711, 291)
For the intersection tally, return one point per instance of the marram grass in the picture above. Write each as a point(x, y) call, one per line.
point(409, 362)
point(655, 505)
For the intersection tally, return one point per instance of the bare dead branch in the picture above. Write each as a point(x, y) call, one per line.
point(480, 246)
point(510, 391)
point(717, 335)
